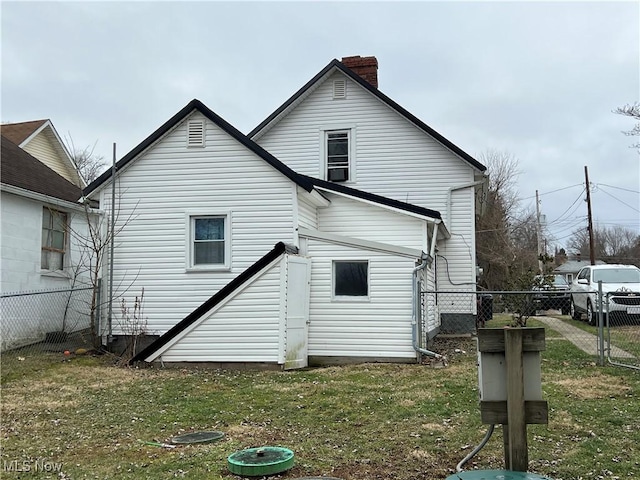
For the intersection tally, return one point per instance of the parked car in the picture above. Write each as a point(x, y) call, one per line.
point(620, 289)
point(551, 292)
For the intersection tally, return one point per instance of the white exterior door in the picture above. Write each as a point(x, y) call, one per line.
point(297, 316)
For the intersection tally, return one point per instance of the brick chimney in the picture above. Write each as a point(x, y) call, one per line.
point(366, 67)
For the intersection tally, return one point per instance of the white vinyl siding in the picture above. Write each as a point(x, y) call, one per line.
point(380, 327)
point(353, 218)
point(246, 328)
point(307, 214)
point(167, 182)
point(395, 159)
point(43, 147)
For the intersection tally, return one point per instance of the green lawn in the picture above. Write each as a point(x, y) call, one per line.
point(376, 421)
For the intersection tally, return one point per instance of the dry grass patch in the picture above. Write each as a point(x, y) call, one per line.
point(597, 386)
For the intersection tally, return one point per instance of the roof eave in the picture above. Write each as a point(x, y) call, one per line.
point(336, 64)
point(166, 127)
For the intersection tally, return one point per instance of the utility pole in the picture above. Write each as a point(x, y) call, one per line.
point(592, 255)
point(539, 235)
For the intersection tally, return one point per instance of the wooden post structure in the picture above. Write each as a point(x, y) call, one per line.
point(510, 387)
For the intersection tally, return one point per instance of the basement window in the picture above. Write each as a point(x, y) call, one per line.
point(351, 279)
point(195, 133)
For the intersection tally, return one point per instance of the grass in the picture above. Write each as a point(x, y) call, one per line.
point(375, 421)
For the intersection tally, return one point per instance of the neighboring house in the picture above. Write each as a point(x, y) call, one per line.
point(201, 206)
point(40, 139)
point(38, 250)
point(570, 268)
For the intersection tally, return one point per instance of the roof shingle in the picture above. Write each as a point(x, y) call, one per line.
point(22, 170)
point(19, 132)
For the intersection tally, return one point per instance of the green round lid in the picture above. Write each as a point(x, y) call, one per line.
point(260, 461)
point(495, 475)
point(197, 437)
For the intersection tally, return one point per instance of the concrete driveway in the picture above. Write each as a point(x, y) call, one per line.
point(585, 341)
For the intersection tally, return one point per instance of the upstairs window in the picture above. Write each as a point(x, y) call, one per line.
point(54, 239)
point(337, 148)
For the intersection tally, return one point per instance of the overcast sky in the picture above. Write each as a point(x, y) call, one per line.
point(537, 80)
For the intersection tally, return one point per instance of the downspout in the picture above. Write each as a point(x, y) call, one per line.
point(426, 261)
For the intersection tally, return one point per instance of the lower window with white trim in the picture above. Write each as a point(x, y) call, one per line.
point(209, 242)
point(351, 280)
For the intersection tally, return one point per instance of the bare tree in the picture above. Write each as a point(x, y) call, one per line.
point(631, 110)
point(506, 243)
point(88, 164)
point(615, 244)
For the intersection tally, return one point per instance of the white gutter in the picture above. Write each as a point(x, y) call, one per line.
point(41, 197)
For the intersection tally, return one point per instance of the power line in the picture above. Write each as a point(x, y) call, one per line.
point(617, 188)
point(616, 198)
point(570, 206)
point(553, 191)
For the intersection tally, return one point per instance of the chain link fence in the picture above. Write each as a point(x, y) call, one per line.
point(574, 316)
point(45, 321)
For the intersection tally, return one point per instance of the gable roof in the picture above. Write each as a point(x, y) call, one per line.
point(22, 170)
point(19, 132)
point(196, 104)
point(280, 248)
point(337, 65)
point(24, 132)
point(371, 197)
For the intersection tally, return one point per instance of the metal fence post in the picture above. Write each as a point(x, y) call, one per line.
point(97, 314)
point(600, 325)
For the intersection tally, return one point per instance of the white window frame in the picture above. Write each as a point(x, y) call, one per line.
point(66, 250)
point(350, 298)
point(190, 218)
point(323, 138)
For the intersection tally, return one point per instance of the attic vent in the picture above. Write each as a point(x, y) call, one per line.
point(195, 134)
point(339, 88)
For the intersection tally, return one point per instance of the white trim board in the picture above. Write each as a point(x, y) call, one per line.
point(360, 243)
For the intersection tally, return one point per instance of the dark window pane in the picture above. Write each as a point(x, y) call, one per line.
point(209, 253)
point(46, 218)
point(351, 279)
point(338, 174)
point(209, 228)
point(338, 147)
point(59, 221)
point(58, 240)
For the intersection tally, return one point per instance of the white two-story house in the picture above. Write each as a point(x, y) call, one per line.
point(307, 241)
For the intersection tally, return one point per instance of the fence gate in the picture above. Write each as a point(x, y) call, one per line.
point(573, 315)
point(621, 328)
